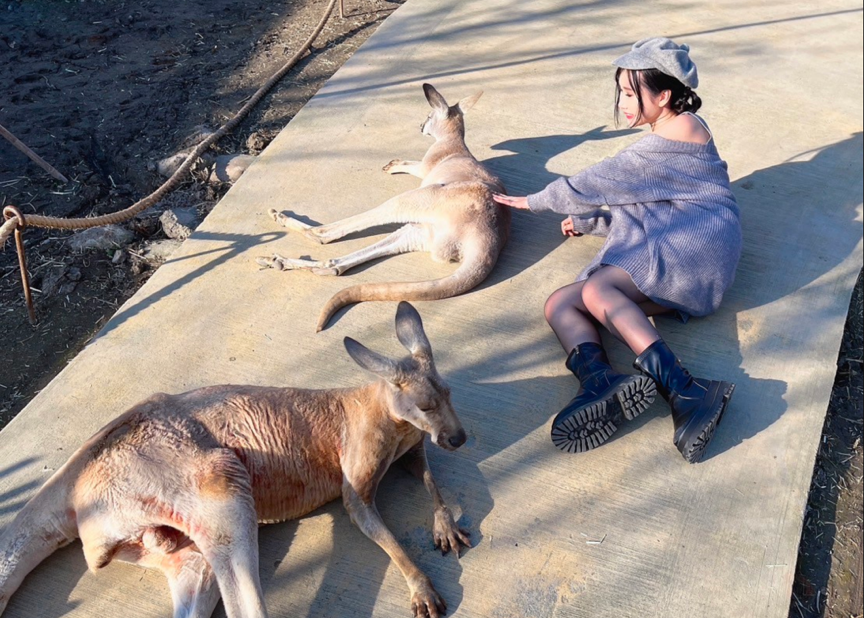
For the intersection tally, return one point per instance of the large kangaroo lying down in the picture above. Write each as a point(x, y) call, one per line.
point(452, 216)
point(181, 482)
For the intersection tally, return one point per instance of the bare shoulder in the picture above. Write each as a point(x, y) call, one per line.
point(685, 128)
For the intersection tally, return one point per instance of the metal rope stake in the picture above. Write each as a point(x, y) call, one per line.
point(9, 213)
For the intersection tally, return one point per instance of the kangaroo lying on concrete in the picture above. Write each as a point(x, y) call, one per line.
point(181, 482)
point(452, 216)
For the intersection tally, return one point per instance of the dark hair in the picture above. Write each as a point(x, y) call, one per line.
point(683, 98)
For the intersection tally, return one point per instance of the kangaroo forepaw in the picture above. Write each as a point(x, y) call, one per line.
point(447, 534)
point(426, 602)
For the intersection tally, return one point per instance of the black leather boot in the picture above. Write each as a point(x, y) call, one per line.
point(605, 399)
point(697, 404)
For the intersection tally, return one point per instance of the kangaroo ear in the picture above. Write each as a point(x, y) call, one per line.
point(468, 102)
point(435, 99)
point(380, 365)
point(409, 330)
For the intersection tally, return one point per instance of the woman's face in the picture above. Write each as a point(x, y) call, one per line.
point(652, 105)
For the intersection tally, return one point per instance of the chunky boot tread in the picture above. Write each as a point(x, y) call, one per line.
point(583, 427)
point(694, 449)
point(636, 396)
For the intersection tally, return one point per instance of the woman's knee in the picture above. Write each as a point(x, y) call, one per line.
point(563, 299)
point(595, 294)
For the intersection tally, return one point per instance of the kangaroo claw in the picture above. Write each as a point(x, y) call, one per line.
point(427, 603)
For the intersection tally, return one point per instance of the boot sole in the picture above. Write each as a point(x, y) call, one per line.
point(584, 428)
point(693, 450)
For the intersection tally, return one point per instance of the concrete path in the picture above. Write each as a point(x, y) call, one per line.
point(626, 530)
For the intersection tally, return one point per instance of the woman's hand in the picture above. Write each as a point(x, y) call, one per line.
point(513, 202)
point(567, 228)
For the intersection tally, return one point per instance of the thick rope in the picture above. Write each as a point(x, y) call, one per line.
point(58, 223)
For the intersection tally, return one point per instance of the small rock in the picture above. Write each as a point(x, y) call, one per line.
point(66, 288)
point(60, 280)
point(50, 282)
point(229, 168)
point(160, 250)
point(167, 166)
point(256, 142)
point(198, 135)
point(178, 223)
point(119, 257)
point(100, 238)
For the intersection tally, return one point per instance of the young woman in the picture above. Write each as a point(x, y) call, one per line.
point(673, 240)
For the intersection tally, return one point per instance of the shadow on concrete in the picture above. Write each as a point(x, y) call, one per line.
point(782, 206)
point(236, 244)
point(6, 504)
point(520, 19)
point(794, 190)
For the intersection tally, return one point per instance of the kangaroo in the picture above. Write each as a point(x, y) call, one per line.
point(452, 216)
point(180, 482)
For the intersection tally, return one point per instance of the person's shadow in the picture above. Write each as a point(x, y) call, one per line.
point(790, 216)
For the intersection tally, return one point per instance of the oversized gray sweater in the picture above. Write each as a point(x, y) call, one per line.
point(669, 217)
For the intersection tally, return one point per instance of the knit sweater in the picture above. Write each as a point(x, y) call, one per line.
point(669, 217)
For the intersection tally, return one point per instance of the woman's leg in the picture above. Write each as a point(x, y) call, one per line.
point(611, 297)
point(605, 398)
point(569, 318)
point(697, 404)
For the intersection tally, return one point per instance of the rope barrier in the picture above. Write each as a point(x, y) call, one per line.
point(16, 221)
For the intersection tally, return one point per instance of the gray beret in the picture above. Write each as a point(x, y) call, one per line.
point(665, 56)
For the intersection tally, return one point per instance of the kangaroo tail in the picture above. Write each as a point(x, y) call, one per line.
point(44, 525)
point(475, 267)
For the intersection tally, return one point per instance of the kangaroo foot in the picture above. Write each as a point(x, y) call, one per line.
point(398, 166)
point(310, 231)
point(278, 262)
point(389, 167)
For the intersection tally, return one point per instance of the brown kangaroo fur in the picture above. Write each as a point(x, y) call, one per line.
point(181, 482)
point(452, 216)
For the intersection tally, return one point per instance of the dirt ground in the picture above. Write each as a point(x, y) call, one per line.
point(103, 90)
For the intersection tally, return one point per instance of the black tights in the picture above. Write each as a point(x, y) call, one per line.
point(608, 297)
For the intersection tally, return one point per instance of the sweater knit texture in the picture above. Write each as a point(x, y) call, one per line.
point(669, 217)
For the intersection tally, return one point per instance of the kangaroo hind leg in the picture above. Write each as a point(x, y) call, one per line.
point(398, 166)
point(192, 582)
point(408, 207)
point(411, 237)
point(226, 533)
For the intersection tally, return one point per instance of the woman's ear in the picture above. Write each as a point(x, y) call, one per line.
point(665, 98)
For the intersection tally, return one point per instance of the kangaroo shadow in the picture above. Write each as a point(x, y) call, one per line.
point(236, 244)
point(523, 170)
point(355, 568)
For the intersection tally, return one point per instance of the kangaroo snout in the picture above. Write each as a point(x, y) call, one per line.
point(451, 441)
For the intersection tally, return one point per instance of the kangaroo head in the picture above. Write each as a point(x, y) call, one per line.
point(443, 120)
point(418, 395)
